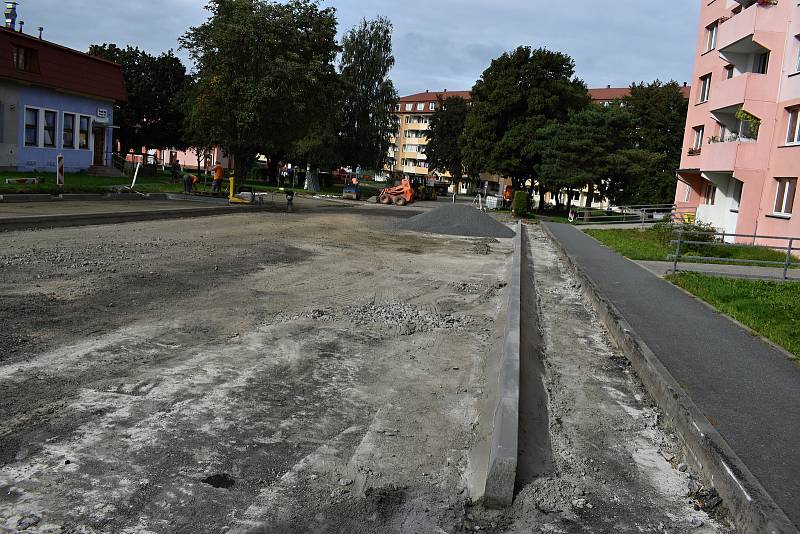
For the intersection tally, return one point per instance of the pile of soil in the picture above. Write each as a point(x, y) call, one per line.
point(457, 219)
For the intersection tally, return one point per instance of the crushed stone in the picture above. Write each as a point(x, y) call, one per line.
point(457, 220)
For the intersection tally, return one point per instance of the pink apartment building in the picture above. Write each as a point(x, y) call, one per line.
point(741, 152)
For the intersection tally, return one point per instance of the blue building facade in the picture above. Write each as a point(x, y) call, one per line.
point(51, 123)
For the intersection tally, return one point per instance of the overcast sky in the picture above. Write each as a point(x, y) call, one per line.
point(439, 44)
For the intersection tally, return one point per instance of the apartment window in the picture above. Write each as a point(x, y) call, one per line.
point(409, 107)
point(433, 106)
point(697, 141)
point(784, 198)
point(69, 131)
point(687, 193)
point(728, 72)
point(705, 88)
point(761, 63)
point(793, 136)
point(711, 36)
point(797, 41)
point(397, 107)
point(25, 59)
point(50, 129)
point(736, 201)
point(31, 127)
point(420, 107)
point(83, 133)
point(710, 196)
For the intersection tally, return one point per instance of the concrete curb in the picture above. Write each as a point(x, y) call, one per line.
point(752, 508)
point(502, 470)
point(91, 219)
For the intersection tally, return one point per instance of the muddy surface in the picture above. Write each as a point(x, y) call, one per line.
point(243, 373)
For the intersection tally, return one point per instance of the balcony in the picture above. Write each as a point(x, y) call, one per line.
point(738, 90)
point(753, 19)
point(719, 157)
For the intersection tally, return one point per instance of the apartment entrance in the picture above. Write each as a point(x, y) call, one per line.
point(99, 135)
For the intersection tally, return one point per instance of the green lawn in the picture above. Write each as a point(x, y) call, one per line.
point(769, 308)
point(650, 245)
point(159, 183)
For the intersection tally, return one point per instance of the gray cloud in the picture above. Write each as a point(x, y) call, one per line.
point(438, 45)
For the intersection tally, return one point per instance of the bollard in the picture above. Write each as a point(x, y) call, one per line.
point(677, 252)
point(788, 262)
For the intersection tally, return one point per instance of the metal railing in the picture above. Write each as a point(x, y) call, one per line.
point(717, 239)
point(637, 214)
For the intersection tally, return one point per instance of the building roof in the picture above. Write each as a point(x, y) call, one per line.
point(606, 94)
point(62, 68)
point(428, 96)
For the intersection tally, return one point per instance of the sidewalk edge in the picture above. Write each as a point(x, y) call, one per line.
point(752, 507)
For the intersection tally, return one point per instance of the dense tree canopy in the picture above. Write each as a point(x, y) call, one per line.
point(265, 74)
point(444, 135)
point(153, 115)
point(520, 93)
point(367, 120)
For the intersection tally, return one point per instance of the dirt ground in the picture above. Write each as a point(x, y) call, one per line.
point(259, 373)
point(241, 373)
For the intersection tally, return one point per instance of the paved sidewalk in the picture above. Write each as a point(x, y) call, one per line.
point(663, 268)
point(747, 389)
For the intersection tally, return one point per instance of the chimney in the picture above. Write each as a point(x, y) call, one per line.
point(21, 24)
point(11, 15)
point(427, 90)
point(608, 86)
point(41, 30)
point(685, 84)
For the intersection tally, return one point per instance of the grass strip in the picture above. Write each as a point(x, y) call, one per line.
point(650, 245)
point(769, 308)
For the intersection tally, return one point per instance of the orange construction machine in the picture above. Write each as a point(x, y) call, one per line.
point(400, 196)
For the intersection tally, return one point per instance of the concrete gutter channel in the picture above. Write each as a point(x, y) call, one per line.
point(752, 508)
point(516, 448)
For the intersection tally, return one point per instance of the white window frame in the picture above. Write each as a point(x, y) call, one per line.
point(797, 63)
point(687, 193)
point(55, 128)
point(699, 133)
point(89, 143)
point(409, 107)
point(421, 106)
point(705, 88)
point(38, 127)
point(74, 130)
point(782, 195)
point(711, 36)
point(433, 106)
point(793, 131)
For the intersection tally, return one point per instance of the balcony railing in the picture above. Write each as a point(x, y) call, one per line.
point(694, 151)
point(731, 138)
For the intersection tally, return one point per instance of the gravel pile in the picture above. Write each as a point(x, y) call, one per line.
point(459, 220)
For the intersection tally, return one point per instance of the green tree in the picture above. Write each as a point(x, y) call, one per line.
point(659, 116)
point(579, 153)
point(446, 128)
point(520, 93)
point(153, 115)
point(367, 121)
point(265, 72)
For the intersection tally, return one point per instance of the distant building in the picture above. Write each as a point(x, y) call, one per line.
point(605, 96)
point(741, 150)
point(54, 100)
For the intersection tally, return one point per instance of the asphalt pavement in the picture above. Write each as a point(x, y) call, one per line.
point(745, 387)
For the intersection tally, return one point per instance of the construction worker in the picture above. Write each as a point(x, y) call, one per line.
point(219, 173)
point(189, 182)
point(176, 170)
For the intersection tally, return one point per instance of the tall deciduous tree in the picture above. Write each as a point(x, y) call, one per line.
point(659, 116)
point(520, 93)
point(264, 74)
point(152, 116)
point(369, 95)
point(444, 136)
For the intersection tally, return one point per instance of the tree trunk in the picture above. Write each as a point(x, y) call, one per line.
point(557, 195)
point(541, 199)
point(590, 195)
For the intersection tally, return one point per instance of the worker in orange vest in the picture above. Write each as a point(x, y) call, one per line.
point(219, 173)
